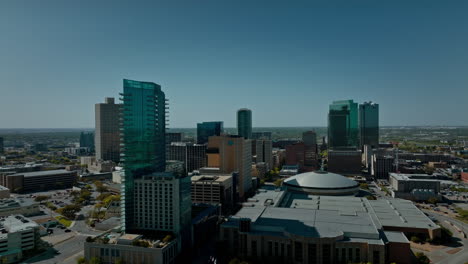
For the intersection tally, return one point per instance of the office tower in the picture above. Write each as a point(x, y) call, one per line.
point(382, 166)
point(107, 137)
point(345, 161)
point(343, 131)
point(310, 150)
point(208, 129)
point(244, 123)
point(1, 146)
point(232, 154)
point(192, 155)
point(261, 135)
point(369, 124)
point(143, 123)
point(162, 202)
point(87, 140)
point(262, 151)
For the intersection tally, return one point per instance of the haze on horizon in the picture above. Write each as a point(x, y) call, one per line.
point(285, 61)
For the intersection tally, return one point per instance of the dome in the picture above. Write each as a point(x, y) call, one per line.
point(321, 183)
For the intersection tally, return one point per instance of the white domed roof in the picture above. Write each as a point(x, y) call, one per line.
point(320, 180)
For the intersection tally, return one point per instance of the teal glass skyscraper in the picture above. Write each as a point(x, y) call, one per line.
point(343, 130)
point(369, 124)
point(143, 128)
point(208, 129)
point(244, 123)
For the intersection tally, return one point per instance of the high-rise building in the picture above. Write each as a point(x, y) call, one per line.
point(369, 124)
point(173, 137)
point(87, 140)
point(1, 146)
point(232, 154)
point(261, 135)
point(304, 154)
point(344, 161)
point(382, 166)
point(208, 129)
point(244, 123)
point(262, 151)
point(343, 130)
point(107, 137)
point(309, 138)
point(143, 123)
point(192, 155)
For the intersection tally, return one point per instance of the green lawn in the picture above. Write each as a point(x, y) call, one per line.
point(64, 221)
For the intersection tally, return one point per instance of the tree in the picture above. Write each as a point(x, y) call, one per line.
point(364, 186)
point(278, 182)
point(95, 260)
point(415, 239)
point(432, 200)
point(41, 198)
point(167, 238)
point(81, 260)
point(421, 258)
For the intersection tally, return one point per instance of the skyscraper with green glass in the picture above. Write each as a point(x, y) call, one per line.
point(343, 130)
point(369, 124)
point(244, 123)
point(143, 128)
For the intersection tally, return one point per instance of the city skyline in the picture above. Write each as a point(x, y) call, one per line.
point(67, 56)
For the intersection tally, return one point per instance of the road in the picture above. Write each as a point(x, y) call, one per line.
point(441, 256)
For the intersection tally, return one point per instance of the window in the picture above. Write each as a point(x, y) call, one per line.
point(312, 250)
point(270, 248)
point(376, 257)
point(298, 251)
point(254, 248)
point(357, 256)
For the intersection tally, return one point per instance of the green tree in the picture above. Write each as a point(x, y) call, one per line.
point(81, 260)
point(421, 258)
point(41, 198)
point(95, 260)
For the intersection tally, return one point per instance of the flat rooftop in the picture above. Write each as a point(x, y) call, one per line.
point(8, 203)
point(42, 173)
point(15, 223)
point(220, 178)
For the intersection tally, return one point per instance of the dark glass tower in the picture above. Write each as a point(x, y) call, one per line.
point(343, 131)
point(208, 129)
point(369, 124)
point(143, 127)
point(244, 123)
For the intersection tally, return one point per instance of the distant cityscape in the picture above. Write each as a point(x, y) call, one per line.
point(131, 190)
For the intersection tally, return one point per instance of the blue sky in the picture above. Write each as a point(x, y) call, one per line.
point(285, 60)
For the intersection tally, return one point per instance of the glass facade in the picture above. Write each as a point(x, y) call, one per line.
point(244, 123)
point(343, 130)
point(143, 127)
point(369, 124)
point(208, 129)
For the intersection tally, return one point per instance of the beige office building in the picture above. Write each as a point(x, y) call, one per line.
point(232, 154)
point(107, 137)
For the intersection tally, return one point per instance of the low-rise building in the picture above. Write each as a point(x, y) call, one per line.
point(294, 227)
point(10, 206)
point(4, 192)
point(17, 234)
point(39, 180)
point(414, 186)
point(131, 248)
point(289, 171)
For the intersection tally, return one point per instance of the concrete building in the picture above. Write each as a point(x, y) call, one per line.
point(262, 151)
point(17, 234)
point(293, 227)
point(174, 137)
point(208, 129)
point(2, 146)
point(382, 166)
point(39, 180)
point(289, 171)
point(170, 211)
point(4, 192)
point(244, 123)
point(305, 153)
point(232, 154)
point(107, 137)
point(213, 189)
point(112, 247)
point(321, 183)
point(419, 187)
point(11, 206)
point(344, 161)
point(192, 155)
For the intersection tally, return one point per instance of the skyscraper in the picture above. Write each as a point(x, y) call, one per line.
point(262, 151)
point(232, 154)
point(369, 124)
point(87, 140)
point(208, 129)
point(192, 155)
point(107, 134)
point(1, 145)
point(143, 123)
point(244, 123)
point(343, 131)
